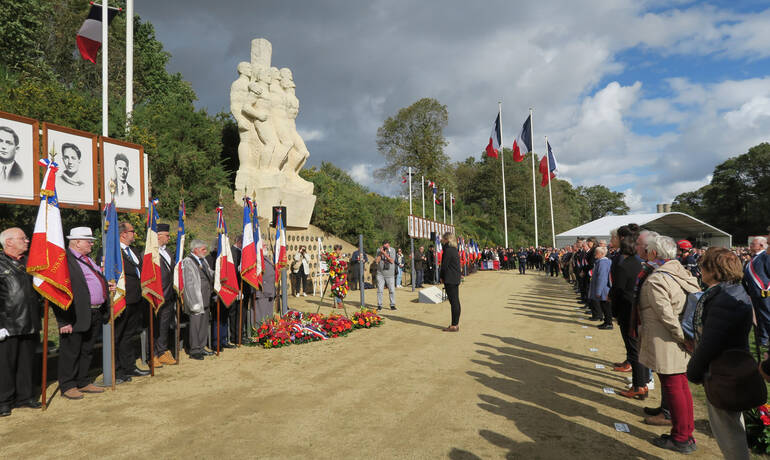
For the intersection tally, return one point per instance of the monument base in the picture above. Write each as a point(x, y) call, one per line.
point(433, 294)
point(276, 190)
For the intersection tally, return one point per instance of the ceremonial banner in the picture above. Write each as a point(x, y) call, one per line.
point(259, 243)
point(178, 274)
point(225, 277)
point(113, 258)
point(280, 244)
point(248, 268)
point(152, 285)
point(47, 261)
point(89, 37)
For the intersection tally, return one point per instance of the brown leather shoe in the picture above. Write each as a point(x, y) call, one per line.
point(73, 393)
point(156, 363)
point(657, 420)
point(623, 368)
point(166, 358)
point(451, 329)
point(91, 388)
point(638, 393)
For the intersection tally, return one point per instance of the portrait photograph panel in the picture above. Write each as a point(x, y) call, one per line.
point(123, 163)
point(19, 153)
point(75, 152)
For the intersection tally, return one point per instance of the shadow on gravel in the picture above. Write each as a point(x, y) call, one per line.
point(413, 322)
point(537, 378)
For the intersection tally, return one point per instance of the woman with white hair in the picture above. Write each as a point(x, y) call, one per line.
point(662, 299)
point(599, 290)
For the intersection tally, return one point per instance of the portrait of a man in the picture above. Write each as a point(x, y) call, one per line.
point(121, 176)
point(71, 158)
point(10, 171)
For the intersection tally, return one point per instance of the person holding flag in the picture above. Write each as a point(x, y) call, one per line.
point(113, 273)
point(165, 315)
point(152, 282)
point(128, 324)
point(177, 274)
point(225, 281)
point(196, 289)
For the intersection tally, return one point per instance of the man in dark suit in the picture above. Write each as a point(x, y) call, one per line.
point(165, 316)
point(235, 308)
point(121, 174)
point(419, 266)
point(128, 324)
point(79, 325)
point(756, 281)
point(450, 275)
point(10, 170)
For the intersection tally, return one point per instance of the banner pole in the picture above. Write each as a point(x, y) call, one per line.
point(218, 328)
point(240, 313)
point(151, 351)
point(105, 65)
point(550, 196)
point(112, 343)
point(534, 190)
point(422, 188)
point(502, 171)
point(43, 398)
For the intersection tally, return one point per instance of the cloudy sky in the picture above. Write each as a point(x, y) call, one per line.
point(645, 97)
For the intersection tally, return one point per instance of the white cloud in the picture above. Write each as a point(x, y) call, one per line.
point(311, 134)
point(362, 173)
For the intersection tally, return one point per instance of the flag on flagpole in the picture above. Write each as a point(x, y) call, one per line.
point(280, 244)
point(89, 38)
point(47, 261)
point(225, 277)
point(439, 249)
point(517, 156)
point(152, 284)
point(544, 163)
point(179, 255)
point(526, 134)
point(494, 139)
point(259, 244)
point(113, 258)
point(249, 271)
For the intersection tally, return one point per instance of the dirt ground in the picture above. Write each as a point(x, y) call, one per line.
point(517, 381)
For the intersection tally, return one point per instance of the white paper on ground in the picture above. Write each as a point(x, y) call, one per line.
point(609, 391)
point(584, 327)
point(622, 427)
point(599, 366)
point(589, 337)
point(594, 350)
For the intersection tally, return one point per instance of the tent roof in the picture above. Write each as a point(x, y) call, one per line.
point(665, 223)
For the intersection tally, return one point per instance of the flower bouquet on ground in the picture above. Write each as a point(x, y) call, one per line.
point(758, 428)
point(366, 318)
point(337, 325)
point(338, 274)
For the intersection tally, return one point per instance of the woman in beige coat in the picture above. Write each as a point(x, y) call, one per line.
point(662, 300)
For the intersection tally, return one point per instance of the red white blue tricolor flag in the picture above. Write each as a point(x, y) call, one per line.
point(113, 258)
point(545, 163)
point(152, 284)
point(178, 274)
point(280, 243)
point(249, 272)
point(225, 277)
point(89, 36)
point(494, 139)
point(259, 243)
point(47, 261)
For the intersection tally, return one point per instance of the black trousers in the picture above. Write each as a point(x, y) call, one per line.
point(127, 326)
point(162, 326)
point(75, 353)
point(353, 279)
point(522, 266)
point(605, 309)
point(17, 355)
point(453, 294)
point(639, 373)
point(234, 314)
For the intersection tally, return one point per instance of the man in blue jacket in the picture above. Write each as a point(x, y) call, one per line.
point(756, 281)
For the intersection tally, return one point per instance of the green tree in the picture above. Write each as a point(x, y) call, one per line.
point(414, 137)
point(601, 201)
point(690, 202)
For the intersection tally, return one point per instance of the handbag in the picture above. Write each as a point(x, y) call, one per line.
point(733, 382)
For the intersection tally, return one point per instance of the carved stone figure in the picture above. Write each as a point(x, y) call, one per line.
point(271, 151)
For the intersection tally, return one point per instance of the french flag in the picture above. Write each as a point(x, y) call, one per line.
point(113, 258)
point(517, 156)
point(439, 249)
point(526, 134)
point(544, 170)
point(225, 277)
point(494, 139)
point(249, 271)
point(259, 244)
point(280, 244)
point(47, 261)
point(152, 284)
point(89, 36)
point(178, 274)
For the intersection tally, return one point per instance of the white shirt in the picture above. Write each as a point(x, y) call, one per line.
point(164, 254)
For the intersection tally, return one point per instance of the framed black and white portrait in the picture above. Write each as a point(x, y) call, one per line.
point(123, 164)
point(19, 154)
point(77, 181)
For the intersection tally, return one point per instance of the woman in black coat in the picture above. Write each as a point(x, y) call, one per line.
point(722, 321)
point(450, 276)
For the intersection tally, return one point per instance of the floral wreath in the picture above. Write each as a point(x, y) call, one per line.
point(338, 274)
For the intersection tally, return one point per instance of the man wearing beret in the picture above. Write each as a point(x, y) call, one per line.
point(79, 325)
point(165, 315)
point(19, 323)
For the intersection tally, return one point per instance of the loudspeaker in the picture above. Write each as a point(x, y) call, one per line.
point(275, 215)
point(433, 237)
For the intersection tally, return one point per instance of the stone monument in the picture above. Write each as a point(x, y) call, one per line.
point(271, 151)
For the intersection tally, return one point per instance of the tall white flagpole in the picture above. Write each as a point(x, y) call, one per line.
point(410, 190)
point(502, 171)
point(129, 62)
point(443, 202)
point(451, 209)
point(105, 61)
point(422, 188)
point(411, 240)
point(434, 202)
point(550, 196)
point(534, 190)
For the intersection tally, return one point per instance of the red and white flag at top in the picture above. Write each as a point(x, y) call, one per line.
point(89, 36)
point(494, 139)
point(47, 261)
point(517, 156)
point(225, 278)
point(152, 284)
point(280, 260)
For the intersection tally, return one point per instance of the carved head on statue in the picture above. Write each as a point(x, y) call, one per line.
point(244, 69)
point(287, 80)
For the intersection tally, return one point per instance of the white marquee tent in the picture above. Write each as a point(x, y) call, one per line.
point(674, 224)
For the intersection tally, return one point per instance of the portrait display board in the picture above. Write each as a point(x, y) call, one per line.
point(76, 153)
point(19, 154)
point(123, 163)
point(422, 228)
